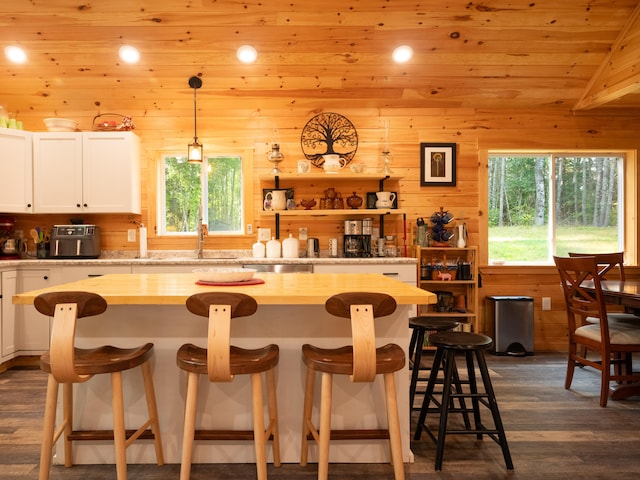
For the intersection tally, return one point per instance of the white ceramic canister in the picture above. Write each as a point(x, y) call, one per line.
point(258, 250)
point(274, 248)
point(290, 247)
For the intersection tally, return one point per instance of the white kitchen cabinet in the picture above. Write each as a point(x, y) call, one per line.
point(111, 172)
point(8, 316)
point(86, 172)
point(16, 181)
point(403, 272)
point(33, 328)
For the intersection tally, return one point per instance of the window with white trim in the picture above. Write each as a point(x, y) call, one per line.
point(541, 205)
point(216, 184)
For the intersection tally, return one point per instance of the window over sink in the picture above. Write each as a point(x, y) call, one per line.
point(216, 184)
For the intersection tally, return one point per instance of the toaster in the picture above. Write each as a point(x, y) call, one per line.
point(75, 241)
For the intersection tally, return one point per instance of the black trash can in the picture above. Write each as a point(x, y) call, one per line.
point(510, 324)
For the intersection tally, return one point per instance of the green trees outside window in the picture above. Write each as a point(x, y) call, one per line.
point(216, 184)
point(544, 205)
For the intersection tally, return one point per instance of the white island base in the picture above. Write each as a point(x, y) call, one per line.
point(229, 405)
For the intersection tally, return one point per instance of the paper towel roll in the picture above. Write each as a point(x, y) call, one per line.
point(143, 241)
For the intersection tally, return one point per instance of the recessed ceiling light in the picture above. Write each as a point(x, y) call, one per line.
point(402, 54)
point(247, 54)
point(129, 54)
point(15, 54)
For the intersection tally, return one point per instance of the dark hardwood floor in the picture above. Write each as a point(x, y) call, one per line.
point(553, 434)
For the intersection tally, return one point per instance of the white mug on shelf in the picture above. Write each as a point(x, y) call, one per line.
point(304, 166)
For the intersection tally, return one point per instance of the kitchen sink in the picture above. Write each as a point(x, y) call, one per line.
point(282, 268)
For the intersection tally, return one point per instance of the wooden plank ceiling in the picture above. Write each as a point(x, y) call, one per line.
point(502, 54)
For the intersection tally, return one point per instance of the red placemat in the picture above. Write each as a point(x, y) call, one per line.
point(253, 281)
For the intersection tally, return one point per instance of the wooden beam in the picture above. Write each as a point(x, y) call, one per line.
point(619, 74)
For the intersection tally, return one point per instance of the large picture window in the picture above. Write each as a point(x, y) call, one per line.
point(216, 184)
point(542, 205)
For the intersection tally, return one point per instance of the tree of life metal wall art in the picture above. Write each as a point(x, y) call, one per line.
point(329, 133)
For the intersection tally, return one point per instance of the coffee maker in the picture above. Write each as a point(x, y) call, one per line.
point(357, 238)
point(9, 249)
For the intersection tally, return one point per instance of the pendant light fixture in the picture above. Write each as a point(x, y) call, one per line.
point(195, 148)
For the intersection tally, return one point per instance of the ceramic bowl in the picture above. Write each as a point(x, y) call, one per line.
point(224, 274)
point(60, 125)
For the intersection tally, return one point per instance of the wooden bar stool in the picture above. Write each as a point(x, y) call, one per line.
point(472, 345)
point(221, 361)
point(67, 365)
point(420, 326)
point(362, 361)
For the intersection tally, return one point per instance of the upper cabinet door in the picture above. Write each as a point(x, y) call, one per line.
point(111, 172)
point(86, 172)
point(57, 172)
point(16, 187)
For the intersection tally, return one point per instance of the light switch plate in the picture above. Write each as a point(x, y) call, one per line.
point(264, 234)
point(546, 303)
point(131, 235)
point(302, 234)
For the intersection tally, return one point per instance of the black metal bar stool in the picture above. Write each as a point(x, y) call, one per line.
point(473, 345)
point(420, 327)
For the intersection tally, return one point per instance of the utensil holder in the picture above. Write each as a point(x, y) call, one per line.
point(42, 250)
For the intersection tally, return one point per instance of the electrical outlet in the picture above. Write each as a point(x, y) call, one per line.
point(546, 303)
point(302, 234)
point(249, 229)
point(264, 234)
point(131, 235)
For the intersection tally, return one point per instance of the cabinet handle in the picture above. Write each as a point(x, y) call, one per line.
point(28, 205)
point(46, 277)
point(85, 205)
point(93, 275)
point(78, 205)
point(390, 274)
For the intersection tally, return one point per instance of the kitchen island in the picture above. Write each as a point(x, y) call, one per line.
point(150, 307)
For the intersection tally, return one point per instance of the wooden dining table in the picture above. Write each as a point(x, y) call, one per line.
point(621, 292)
point(625, 293)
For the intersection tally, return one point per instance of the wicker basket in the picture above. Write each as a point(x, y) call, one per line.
point(112, 122)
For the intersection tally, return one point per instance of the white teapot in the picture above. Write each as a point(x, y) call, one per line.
point(385, 199)
point(333, 163)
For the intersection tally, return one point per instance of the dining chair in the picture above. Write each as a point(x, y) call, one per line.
point(67, 364)
point(607, 262)
point(222, 362)
point(362, 362)
point(604, 337)
point(611, 263)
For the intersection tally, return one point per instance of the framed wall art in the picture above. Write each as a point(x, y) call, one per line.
point(438, 164)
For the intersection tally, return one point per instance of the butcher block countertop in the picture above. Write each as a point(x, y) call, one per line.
point(278, 289)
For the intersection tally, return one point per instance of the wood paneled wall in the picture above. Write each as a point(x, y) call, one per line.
point(472, 130)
